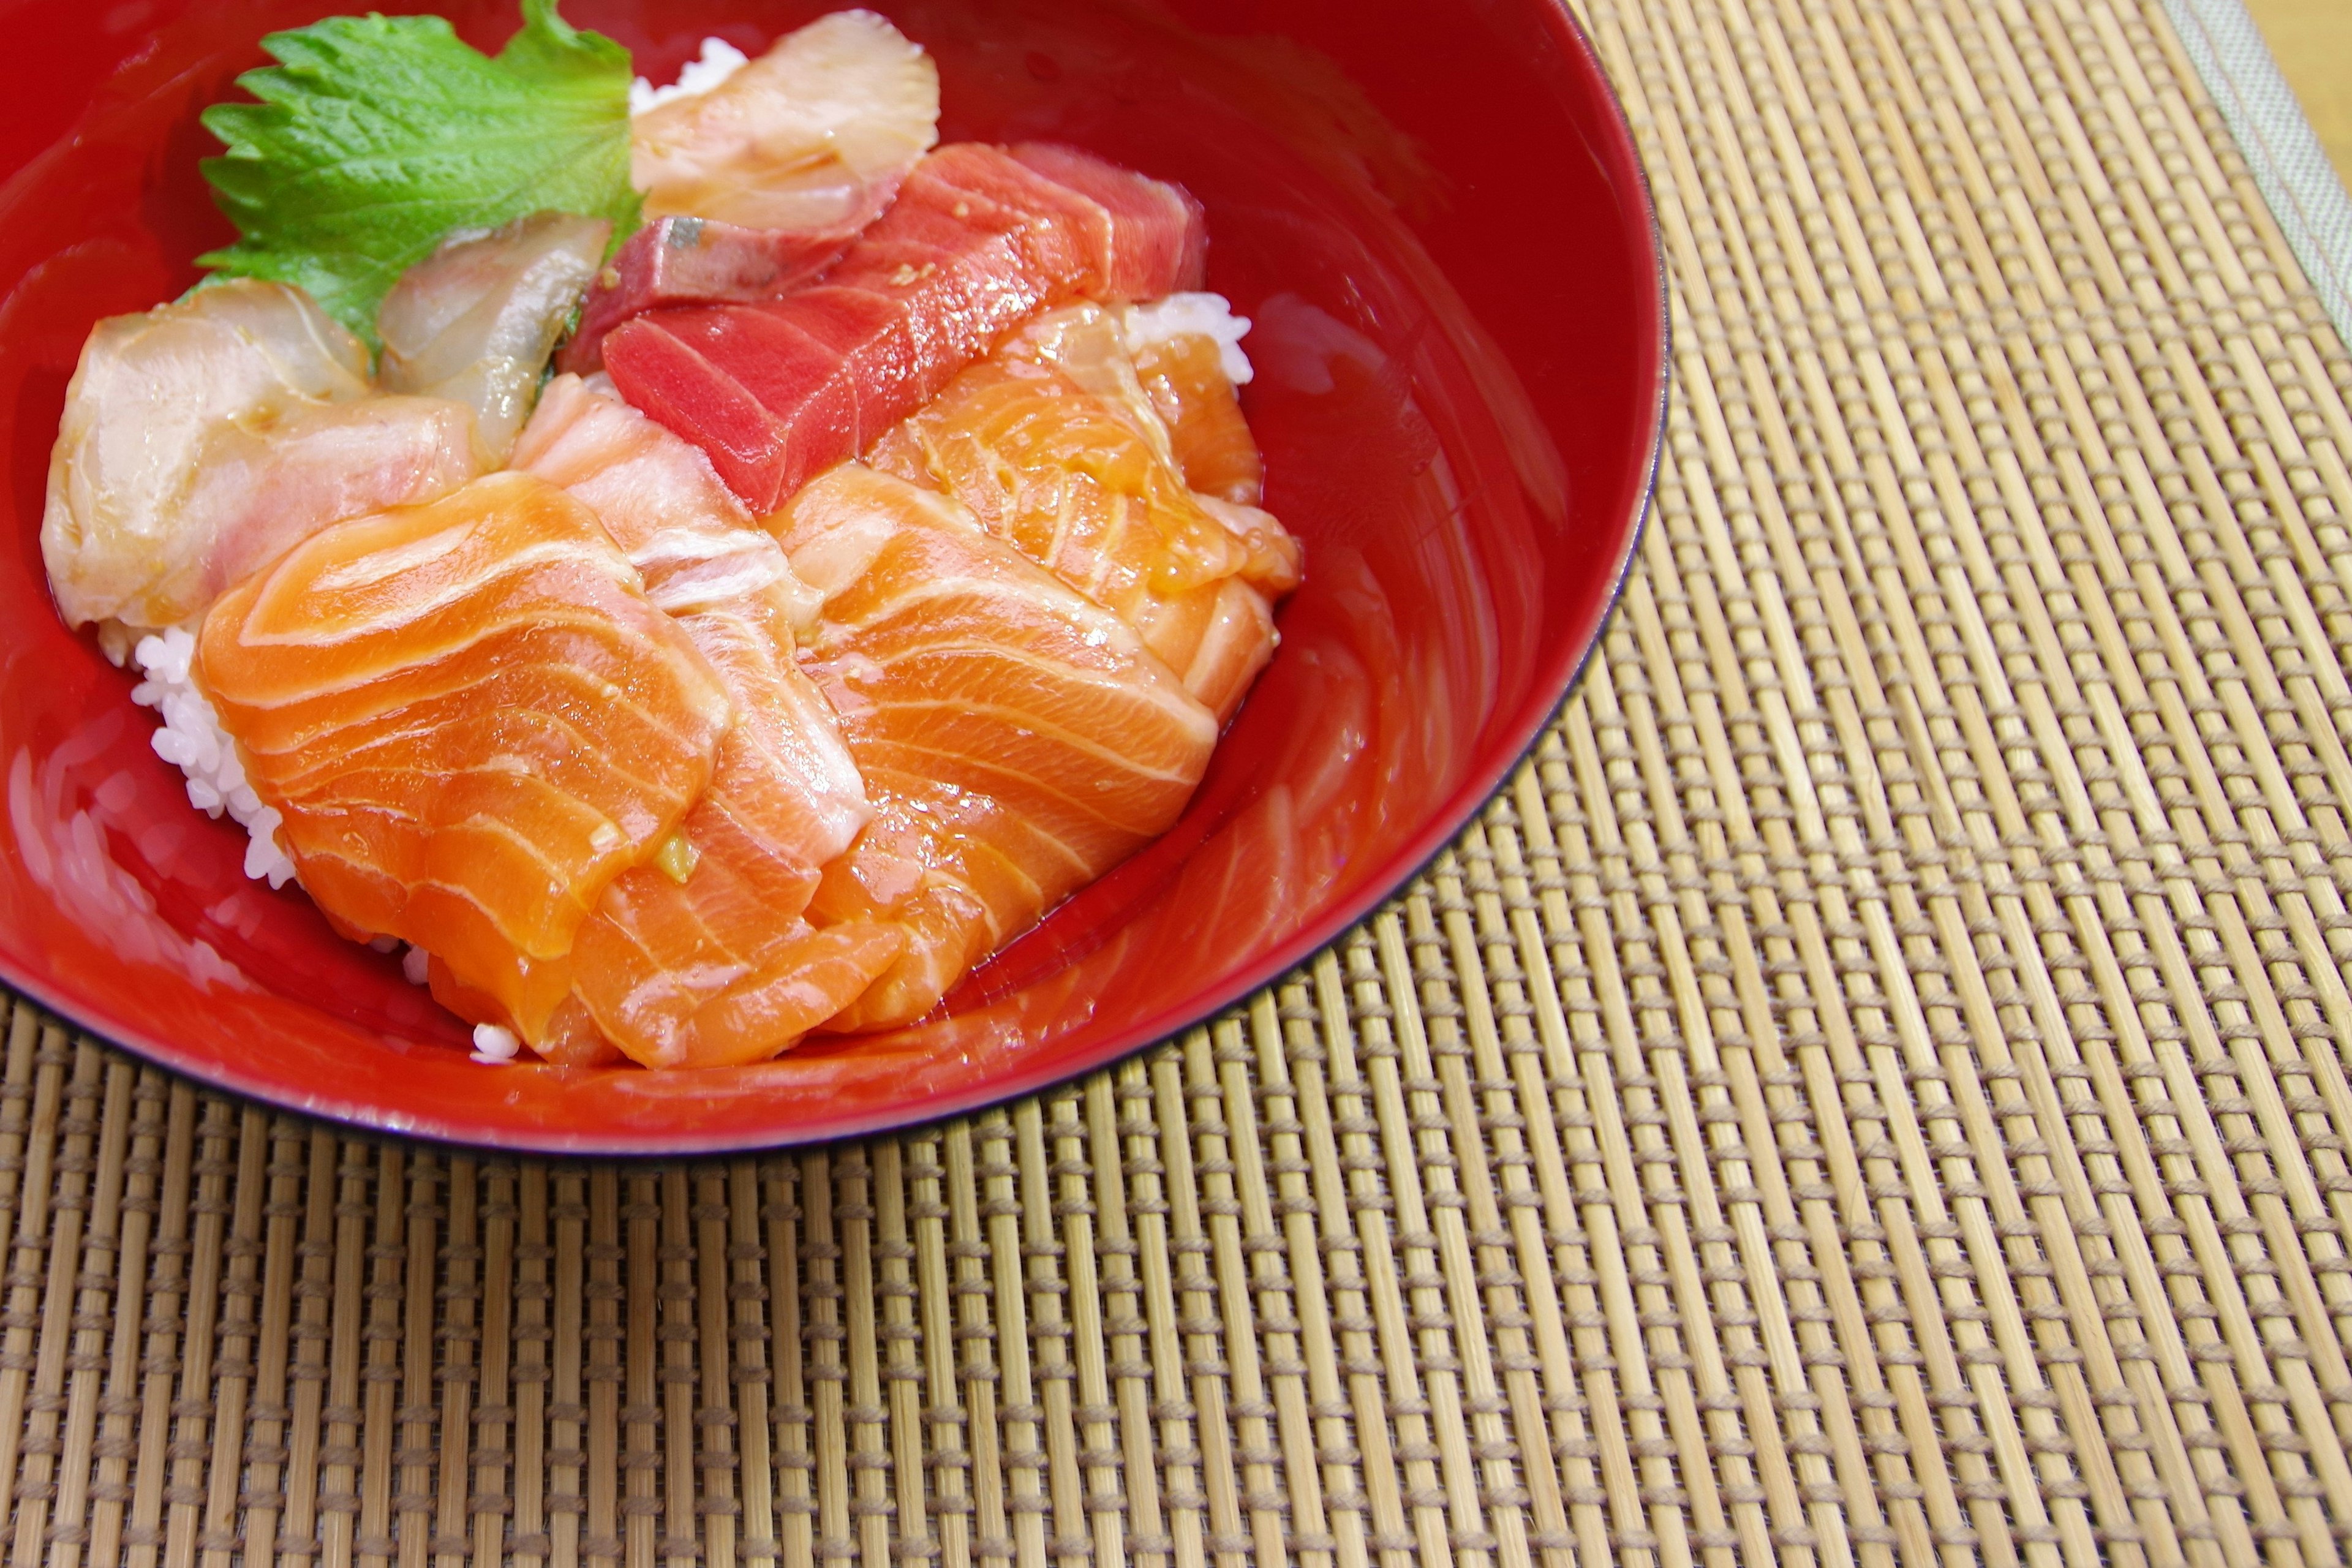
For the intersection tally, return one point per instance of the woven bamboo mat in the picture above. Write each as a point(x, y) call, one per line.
point(1874, 1090)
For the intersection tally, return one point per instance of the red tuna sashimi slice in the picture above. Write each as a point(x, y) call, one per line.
point(1152, 235)
point(693, 261)
point(981, 239)
point(1086, 226)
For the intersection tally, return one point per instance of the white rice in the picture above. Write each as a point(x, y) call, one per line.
point(192, 739)
point(1179, 314)
point(493, 1046)
point(720, 59)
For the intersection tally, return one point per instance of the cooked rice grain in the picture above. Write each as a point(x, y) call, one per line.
point(1176, 315)
point(191, 740)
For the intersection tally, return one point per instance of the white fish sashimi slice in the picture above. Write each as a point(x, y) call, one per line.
point(477, 319)
point(262, 494)
point(811, 137)
point(758, 174)
point(203, 437)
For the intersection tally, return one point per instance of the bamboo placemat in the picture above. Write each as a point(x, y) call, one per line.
point(2282, 148)
point(1872, 1089)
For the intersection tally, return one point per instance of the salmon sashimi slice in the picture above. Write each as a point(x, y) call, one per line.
point(812, 137)
point(1085, 487)
point(470, 720)
point(1274, 558)
point(641, 972)
point(1186, 353)
point(681, 961)
point(657, 496)
point(980, 239)
point(1188, 374)
point(1211, 439)
point(1017, 739)
point(1174, 369)
point(476, 320)
point(572, 1039)
point(254, 494)
point(203, 438)
point(726, 579)
point(671, 962)
point(540, 1009)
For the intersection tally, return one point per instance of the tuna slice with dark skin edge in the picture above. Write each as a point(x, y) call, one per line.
point(981, 239)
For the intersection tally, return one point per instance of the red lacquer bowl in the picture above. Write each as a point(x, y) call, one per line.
point(1435, 216)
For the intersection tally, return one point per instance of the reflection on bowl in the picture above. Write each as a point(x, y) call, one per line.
point(1436, 221)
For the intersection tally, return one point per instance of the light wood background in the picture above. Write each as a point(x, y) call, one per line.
point(2312, 42)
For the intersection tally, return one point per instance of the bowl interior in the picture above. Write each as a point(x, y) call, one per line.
point(1434, 218)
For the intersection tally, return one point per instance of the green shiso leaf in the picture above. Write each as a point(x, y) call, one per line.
point(375, 136)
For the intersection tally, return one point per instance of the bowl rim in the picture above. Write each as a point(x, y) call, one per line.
point(1426, 846)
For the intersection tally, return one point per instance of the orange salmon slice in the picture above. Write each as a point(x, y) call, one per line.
point(686, 962)
point(1017, 739)
point(472, 721)
point(1186, 382)
point(1057, 448)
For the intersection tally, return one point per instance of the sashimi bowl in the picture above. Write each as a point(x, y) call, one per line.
point(1435, 220)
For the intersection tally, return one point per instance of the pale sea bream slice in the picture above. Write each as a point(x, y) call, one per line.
point(203, 438)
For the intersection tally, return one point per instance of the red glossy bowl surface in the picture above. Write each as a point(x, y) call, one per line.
point(1434, 213)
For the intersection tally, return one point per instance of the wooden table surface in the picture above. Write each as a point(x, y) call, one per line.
point(2312, 42)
